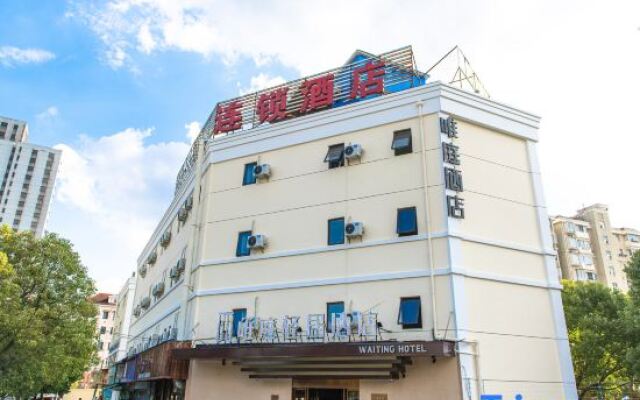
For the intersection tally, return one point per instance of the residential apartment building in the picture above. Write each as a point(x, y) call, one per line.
point(27, 176)
point(120, 338)
point(321, 245)
point(589, 248)
point(13, 130)
point(96, 376)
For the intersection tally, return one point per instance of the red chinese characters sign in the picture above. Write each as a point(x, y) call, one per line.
point(272, 106)
point(342, 86)
point(368, 80)
point(317, 93)
point(228, 117)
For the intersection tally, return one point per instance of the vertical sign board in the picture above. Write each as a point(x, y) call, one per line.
point(451, 162)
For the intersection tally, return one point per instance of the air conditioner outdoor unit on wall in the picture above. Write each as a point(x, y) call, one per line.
point(262, 171)
point(257, 242)
point(354, 229)
point(353, 151)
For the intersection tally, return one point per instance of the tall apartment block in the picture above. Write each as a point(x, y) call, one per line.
point(590, 249)
point(27, 176)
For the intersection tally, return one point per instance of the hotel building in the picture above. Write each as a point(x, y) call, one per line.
point(27, 177)
point(590, 249)
point(359, 234)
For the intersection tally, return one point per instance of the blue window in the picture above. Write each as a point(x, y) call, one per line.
point(335, 228)
point(242, 249)
point(410, 314)
point(407, 221)
point(333, 308)
point(249, 178)
point(238, 315)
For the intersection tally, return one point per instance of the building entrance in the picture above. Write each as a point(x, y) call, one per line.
point(325, 394)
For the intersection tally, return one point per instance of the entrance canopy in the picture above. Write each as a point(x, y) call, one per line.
point(361, 360)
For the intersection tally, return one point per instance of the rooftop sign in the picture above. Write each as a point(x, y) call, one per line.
point(364, 76)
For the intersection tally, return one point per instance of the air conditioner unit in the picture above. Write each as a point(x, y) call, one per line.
point(257, 241)
point(182, 214)
point(353, 151)
point(153, 257)
point(181, 264)
point(158, 289)
point(165, 239)
point(145, 302)
point(188, 203)
point(262, 171)
point(354, 229)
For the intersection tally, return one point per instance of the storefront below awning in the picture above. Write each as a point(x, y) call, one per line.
point(154, 364)
point(361, 360)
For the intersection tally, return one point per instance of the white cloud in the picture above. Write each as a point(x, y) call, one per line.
point(261, 81)
point(109, 197)
point(146, 43)
point(50, 112)
point(193, 130)
point(11, 56)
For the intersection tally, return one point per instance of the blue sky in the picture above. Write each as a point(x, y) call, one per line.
point(171, 89)
point(119, 85)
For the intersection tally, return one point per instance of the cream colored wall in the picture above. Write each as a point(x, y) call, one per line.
point(209, 380)
point(498, 188)
point(292, 209)
point(425, 380)
point(512, 323)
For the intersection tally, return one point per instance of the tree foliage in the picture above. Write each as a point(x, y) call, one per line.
point(598, 325)
point(47, 323)
point(633, 278)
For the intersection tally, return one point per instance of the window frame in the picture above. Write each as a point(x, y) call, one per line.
point(236, 323)
point(399, 135)
point(335, 163)
point(412, 232)
point(248, 178)
point(239, 250)
point(416, 325)
point(329, 318)
point(342, 236)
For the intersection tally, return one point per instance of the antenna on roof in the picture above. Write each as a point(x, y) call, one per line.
point(464, 76)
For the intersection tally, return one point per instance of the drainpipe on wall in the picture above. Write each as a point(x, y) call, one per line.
point(427, 215)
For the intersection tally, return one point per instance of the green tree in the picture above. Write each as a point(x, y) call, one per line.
point(47, 323)
point(598, 325)
point(633, 278)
